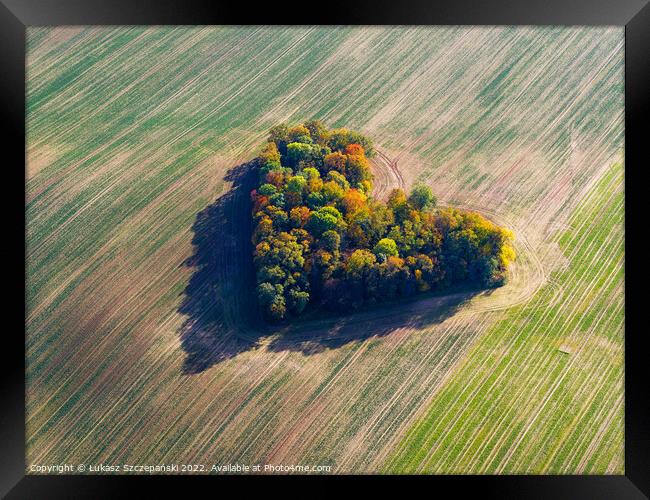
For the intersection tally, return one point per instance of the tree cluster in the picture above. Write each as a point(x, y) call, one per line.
point(321, 238)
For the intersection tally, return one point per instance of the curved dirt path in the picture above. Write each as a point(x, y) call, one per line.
point(387, 175)
point(527, 274)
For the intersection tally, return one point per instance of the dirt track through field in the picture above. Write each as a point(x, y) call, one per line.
point(525, 278)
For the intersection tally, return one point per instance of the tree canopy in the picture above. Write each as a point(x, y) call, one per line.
point(322, 239)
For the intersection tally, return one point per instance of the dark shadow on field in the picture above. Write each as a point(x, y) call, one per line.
point(314, 335)
point(222, 318)
point(219, 297)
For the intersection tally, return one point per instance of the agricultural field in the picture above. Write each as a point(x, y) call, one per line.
point(139, 343)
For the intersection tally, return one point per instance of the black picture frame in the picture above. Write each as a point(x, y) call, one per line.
point(16, 15)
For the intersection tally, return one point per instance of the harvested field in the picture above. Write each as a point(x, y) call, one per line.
point(142, 347)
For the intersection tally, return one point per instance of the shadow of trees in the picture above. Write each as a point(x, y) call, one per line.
point(220, 306)
point(313, 335)
point(219, 294)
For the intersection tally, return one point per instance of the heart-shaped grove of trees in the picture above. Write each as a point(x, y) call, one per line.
point(321, 238)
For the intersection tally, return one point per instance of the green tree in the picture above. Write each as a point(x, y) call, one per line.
point(398, 203)
point(279, 217)
point(267, 189)
point(279, 135)
point(309, 173)
point(360, 263)
point(386, 247)
point(315, 200)
point(296, 184)
point(324, 219)
point(332, 191)
point(266, 292)
point(277, 309)
point(297, 152)
point(271, 274)
point(300, 133)
point(340, 179)
point(422, 198)
point(297, 300)
point(331, 241)
point(318, 131)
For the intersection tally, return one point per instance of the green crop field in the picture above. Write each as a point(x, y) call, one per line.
point(543, 390)
point(138, 346)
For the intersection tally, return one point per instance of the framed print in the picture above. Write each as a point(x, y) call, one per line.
point(388, 242)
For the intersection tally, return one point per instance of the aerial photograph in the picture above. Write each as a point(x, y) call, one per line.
point(325, 250)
